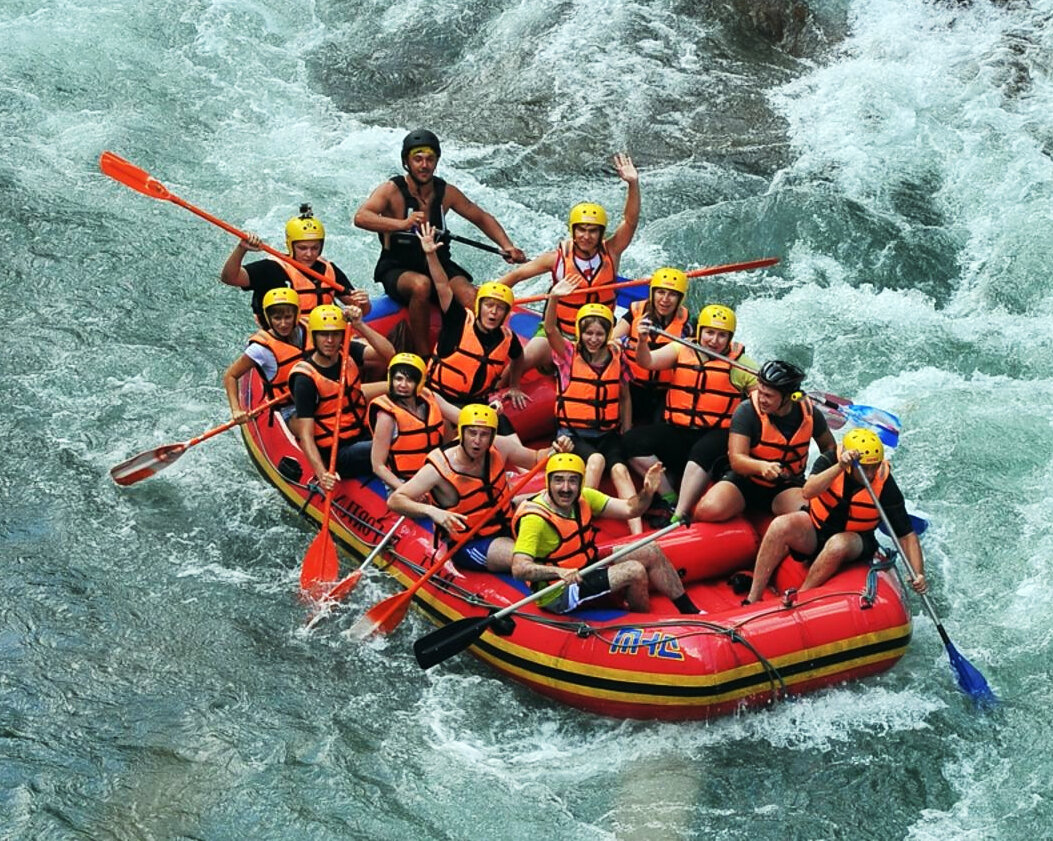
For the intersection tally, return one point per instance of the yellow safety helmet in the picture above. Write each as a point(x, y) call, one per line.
point(587, 213)
point(867, 443)
point(476, 414)
point(716, 316)
point(303, 227)
point(280, 296)
point(593, 311)
point(326, 318)
point(669, 278)
point(499, 291)
point(410, 360)
point(564, 462)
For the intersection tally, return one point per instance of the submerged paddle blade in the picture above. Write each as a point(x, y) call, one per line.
point(320, 564)
point(442, 643)
point(343, 589)
point(382, 618)
point(132, 176)
point(145, 465)
point(970, 681)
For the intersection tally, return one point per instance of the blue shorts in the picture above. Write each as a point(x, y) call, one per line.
point(473, 554)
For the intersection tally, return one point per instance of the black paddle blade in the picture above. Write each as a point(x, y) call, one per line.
point(442, 643)
point(970, 681)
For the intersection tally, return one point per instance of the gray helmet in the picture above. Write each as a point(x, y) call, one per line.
point(784, 377)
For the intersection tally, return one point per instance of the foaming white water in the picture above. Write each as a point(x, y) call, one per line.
point(949, 101)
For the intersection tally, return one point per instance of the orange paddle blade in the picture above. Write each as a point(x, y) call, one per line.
point(343, 589)
point(132, 176)
point(145, 465)
point(383, 617)
point(320, 564)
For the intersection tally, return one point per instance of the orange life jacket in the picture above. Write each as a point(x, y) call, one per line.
point(286, 354)
point(567, 308)
point(862, 513)
point(676, 327)
point(452, 376)
point(791, 452)
point(590, 400)
point(415, 437)
point(477, 495)
point(312, 292)
point(701, 394)
point(353, 415)
point(577, 535)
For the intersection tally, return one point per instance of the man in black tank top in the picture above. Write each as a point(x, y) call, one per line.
point(397, 208)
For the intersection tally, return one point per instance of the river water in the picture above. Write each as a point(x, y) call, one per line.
point(155, 682)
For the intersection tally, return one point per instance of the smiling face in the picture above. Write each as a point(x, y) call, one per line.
point(771, 400)
point(665, 302)
point(421, 164)
point(714, 339)
point(594, 332)
point(564, 488)
point(282, 320)
point(587, 239)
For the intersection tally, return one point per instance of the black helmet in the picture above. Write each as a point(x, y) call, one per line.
point(420, 137)
point(784, 377)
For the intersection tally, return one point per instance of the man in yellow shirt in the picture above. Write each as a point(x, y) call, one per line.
point(555, 539)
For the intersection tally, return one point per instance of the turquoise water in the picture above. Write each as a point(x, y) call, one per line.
point(155, 680)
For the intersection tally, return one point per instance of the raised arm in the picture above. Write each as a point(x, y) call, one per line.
point(232, 273)
point(626, 229)
point(443, 290)
point(626, 509)
point(379, 347)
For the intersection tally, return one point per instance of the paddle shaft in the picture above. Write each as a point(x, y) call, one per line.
point(451, 639)
point(474, 243)
point(912, 577)
point(643, 281)
point(369, 558)
point(204, 436)
point(121, 170)
point(610, 559)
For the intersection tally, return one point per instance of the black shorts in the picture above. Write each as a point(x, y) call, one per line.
point(648, 402)
point(593, 585)
point(608, 445)
point(760, 497)
point(675, 446)
point(389, 269)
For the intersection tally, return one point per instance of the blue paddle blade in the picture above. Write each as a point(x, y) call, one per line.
point(885, 424)
point(970, 681)
point(918, 523)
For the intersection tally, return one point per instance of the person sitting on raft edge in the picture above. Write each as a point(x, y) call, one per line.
point(837, 526)
point(555, 538)
point(399, 207)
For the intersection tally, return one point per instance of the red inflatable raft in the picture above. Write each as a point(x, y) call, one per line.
point(659, 665)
